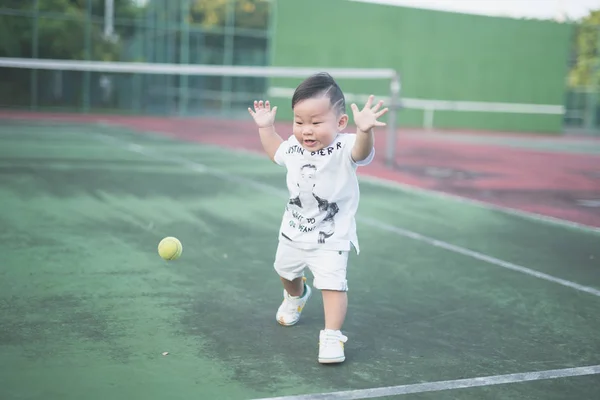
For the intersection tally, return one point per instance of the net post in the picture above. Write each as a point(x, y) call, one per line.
point(184, 56)
point(33, 101)
point(428, 115)
point(228, 54)
point(394, 107)
point(109, 10)
point(87, 75)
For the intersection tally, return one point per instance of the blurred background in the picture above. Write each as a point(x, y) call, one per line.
point(497, 65)
point(125, 121)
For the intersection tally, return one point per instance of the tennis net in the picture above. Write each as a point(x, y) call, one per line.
point(167, 89)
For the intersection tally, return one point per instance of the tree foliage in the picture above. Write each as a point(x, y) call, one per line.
point(586, 68)
point(66, 29)
point(249, 14)
point(74, 30)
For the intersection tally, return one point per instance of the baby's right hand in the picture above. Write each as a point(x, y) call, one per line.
point(263, 115)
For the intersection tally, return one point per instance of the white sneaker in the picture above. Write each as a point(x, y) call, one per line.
point(290, 309)
point(331, 346)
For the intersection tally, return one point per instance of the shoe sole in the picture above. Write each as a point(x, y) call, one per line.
point(280, 322)
point(331, 360)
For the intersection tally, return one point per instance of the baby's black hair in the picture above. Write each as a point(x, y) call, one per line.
point(321, 84)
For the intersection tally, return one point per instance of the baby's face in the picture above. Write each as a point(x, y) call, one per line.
point(316, 123)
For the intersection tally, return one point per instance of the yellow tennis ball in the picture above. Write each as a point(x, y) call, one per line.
point(170, 248)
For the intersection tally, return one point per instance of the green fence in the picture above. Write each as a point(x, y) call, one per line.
point(582, 99)
point(441, 56)
point(458, 71)
point(221, 32)
point(582, 110)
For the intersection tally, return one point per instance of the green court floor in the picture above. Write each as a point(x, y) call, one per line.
point(442, 290)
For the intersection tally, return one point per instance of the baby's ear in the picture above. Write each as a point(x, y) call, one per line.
point(343, 122)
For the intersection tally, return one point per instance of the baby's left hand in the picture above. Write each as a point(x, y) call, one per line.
point(366, 119)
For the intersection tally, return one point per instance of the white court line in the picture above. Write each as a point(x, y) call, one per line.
point(437, 194)
point(411, 388)
point(368, 221)
point(445, 385)
point(480, 256)
point(482, 204)
point(429, 192)
point(402, 187)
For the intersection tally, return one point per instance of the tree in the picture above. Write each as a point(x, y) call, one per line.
point(249, 14)
point(64, 28)
point(73, 30)
point(60, 29)
point(586, 69)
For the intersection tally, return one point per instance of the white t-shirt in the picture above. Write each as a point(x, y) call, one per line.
point(324, 194)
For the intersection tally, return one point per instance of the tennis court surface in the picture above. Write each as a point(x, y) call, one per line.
point(448, 299)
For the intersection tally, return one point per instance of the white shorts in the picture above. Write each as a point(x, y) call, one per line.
point(327, 266)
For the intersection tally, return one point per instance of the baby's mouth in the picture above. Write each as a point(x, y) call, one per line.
point(310, 142)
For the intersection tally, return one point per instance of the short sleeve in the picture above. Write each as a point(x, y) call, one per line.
point(280, 154)
point(348, 149)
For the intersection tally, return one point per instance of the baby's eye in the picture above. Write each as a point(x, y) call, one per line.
point(298, 123)
point(317, 123)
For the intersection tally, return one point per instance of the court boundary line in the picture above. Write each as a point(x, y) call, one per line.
point(480, 256)
point(404, 187)
point(481, 204)
point(369, 221)
point(436, 386)
point(396, 390)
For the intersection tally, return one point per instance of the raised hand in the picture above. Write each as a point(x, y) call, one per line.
point(263, 115)
point(366, 119)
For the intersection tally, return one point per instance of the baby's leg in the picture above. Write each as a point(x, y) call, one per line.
point(329, 269)
point(290, 264)
point(335, 304)
point(294, 287)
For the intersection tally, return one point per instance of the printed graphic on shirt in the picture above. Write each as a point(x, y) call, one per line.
point(307, 202)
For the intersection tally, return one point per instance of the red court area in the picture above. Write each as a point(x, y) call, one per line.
point(551, 183)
